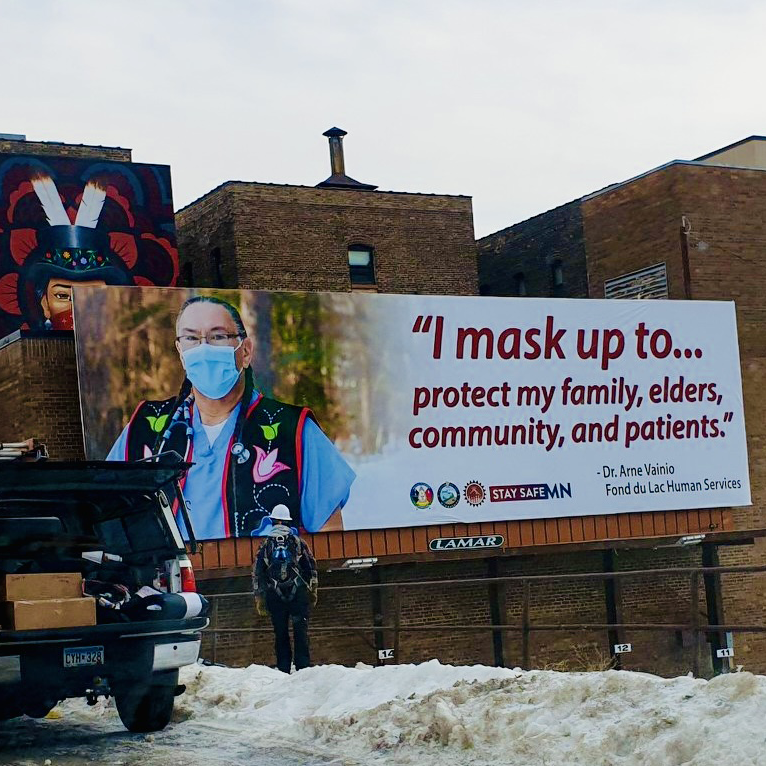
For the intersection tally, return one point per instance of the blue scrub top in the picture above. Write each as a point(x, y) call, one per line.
point(325, 482)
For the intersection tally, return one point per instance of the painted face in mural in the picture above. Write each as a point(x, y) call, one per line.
point(68, 256)
point(56, 301)
point(212, 348)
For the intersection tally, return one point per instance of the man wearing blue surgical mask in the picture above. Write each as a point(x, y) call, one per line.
point(249, 452)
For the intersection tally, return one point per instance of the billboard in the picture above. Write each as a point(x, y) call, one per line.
point(67, 221)
point(423, 409)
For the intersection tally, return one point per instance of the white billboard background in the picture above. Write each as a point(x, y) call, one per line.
point(655, 455)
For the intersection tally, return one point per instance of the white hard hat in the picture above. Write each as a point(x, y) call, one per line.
point(281, 513)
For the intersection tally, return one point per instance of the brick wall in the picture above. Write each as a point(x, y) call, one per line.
point(727, 238)
point(201, 228)
point(556, 602)
point(638, 224)
point(293, 237)
point(38, 392)
point(633, 226)
point(531, 248)
point(663, 599)
point(55, 149)
point(641, 599)
point(462, 604)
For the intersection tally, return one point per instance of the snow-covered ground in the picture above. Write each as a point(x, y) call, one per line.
point(437, 714)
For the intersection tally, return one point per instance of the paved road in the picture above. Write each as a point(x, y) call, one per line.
point(75, 740)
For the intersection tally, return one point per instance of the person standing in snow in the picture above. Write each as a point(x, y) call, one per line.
point(285, 585)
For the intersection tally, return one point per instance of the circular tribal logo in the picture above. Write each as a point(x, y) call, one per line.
point(448, 494)
point(474, 493)
point(421, 495)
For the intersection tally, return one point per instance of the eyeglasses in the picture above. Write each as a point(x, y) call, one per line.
point(212, 338)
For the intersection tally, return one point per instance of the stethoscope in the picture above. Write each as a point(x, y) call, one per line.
point(182, 417)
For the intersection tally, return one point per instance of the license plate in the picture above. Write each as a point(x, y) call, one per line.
point(85, 655)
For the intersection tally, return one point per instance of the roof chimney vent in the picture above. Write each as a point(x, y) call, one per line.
point(339, 179)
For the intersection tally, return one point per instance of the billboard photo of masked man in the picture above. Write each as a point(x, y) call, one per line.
point(250, 450)
point(383, 410)
point(67, 222)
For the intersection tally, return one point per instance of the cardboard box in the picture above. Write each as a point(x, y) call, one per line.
point(49, 613)
point(35, 587)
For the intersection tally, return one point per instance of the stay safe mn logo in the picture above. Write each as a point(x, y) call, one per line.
point(509, 493)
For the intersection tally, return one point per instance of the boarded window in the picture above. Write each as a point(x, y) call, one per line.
point(651, 282)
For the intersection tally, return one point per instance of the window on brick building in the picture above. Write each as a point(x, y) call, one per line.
point(557, 279)
point(361, 266)
point(215, 267)
point(520, 284)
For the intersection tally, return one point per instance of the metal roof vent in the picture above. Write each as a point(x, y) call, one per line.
point(339, 179)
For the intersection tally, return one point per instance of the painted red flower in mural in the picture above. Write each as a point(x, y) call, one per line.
point(9, 299)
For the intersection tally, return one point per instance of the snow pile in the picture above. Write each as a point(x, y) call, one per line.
point(431, 713)
point(262, 695)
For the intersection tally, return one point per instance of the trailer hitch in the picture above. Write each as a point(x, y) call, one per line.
point(100, 688)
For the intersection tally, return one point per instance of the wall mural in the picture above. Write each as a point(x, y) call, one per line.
point(66, 222)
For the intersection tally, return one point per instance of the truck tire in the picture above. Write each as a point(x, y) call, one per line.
point(39, 708)
point(144, 708)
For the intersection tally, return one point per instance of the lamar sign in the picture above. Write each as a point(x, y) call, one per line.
point(454, 543)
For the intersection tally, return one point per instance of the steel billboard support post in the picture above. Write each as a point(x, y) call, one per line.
point(214, 621)
point(495, 590)
point(714, 602)
point(694, 597)
point(397, 620)
point(613, 597)
point(525, 597)
point(376, 601)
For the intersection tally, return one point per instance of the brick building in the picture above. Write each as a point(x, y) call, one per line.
point(542, 256)
point(337, 235)
point(341, 235)
point(685, 230)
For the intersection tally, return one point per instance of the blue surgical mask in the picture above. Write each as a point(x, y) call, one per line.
point(212, 370)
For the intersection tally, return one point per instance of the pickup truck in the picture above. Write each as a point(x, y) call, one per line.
point(113, 524)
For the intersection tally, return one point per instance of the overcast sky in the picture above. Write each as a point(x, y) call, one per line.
point(521, 105)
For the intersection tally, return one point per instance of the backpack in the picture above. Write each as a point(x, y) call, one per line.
point(281, 565)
